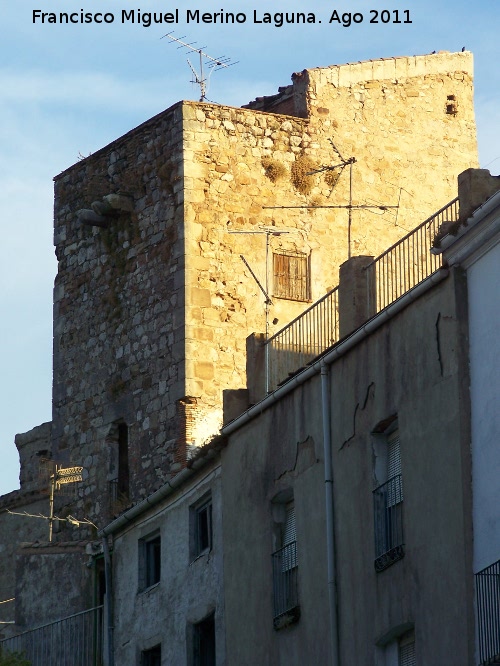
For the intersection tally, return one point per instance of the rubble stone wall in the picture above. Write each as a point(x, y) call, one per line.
point(119, 312)
point(409, 124)
point(151, 310)
point(32, 498)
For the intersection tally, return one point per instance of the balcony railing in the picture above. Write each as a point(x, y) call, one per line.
point(285, 593)
point(409, 261)
point(308, 335)
point(397, 270)
point(76, 640)
point(488, 614)
point(388, 522)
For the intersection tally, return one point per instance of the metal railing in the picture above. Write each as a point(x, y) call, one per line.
point(285, 593)
point(488, 614)
point(298, 343)
point(394, 272)
point(388, 522)
point(409, 261)
point(76, 640)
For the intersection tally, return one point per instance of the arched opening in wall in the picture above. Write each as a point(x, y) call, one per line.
point(119, 473)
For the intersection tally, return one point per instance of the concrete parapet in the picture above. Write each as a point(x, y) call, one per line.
point(256, 367)
point(474, 187)
point(356, 294)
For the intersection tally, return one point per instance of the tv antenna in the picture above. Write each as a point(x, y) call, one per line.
point(268, 231)
point(213, 64)
point(60, 480)
point(350, 206)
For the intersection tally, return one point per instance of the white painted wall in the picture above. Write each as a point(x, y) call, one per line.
point(188, 590)
point(483, 278)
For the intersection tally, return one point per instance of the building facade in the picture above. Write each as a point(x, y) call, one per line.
point(476, 247)
point(391, 406)
point(168, 604)
point(152, 301)
point(166, 240)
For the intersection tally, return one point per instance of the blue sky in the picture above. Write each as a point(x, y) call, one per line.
point(67, 90)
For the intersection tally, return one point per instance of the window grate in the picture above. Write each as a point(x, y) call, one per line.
point(488, 618)
point(285, 580)
point(291, 276)
point(388, 523)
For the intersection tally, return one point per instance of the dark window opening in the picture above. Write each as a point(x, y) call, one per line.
point(149, 561)
point(119, 473)
point(123, 469)
point(151, 657)
point(204, 642)
point(204, 527)
point(201, 527)
point(451, 105)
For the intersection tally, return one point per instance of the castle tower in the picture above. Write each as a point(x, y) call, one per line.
point(152, 301)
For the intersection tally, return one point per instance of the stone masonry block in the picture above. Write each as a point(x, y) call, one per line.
point(201, 297)
point(204, 370)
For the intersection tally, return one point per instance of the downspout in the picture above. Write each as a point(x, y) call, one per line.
point(109, 602)
point(330, 534)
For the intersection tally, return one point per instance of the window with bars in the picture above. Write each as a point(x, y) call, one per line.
point(285, 573)
point(291, 273)
point(388, 497)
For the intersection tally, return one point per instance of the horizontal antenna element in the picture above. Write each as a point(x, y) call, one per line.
point(213, 64)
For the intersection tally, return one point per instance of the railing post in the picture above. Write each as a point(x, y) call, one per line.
point(256, 366)
point(356, 294)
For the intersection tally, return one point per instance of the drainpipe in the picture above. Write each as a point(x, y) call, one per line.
point(109, 601)
point(330, 534)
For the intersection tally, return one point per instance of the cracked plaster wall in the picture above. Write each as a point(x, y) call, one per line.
point(398, 369)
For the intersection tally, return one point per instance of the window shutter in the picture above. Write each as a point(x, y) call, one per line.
point(407, 655)
point(290, 533)
point(394, 486)
point(289, 550)
point(393, 455)
point(291, 276)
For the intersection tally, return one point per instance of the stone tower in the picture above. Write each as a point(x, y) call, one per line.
point(152, 301)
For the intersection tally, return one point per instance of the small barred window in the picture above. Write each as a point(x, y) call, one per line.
point(292, 276)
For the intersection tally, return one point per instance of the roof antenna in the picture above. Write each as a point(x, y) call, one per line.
point(213, 64)
point(350, 206)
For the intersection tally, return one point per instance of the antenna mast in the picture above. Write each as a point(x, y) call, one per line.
point(268, 231)
point(213, 64)
point(350, 206)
